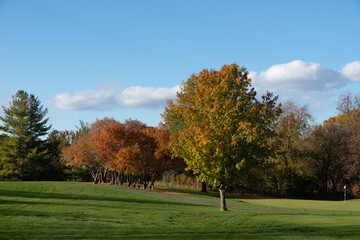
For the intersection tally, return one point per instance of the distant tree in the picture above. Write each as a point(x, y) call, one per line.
point(348, 104)
point(337, 145)
point(56, 168)
point(134, 124)
point(2, 136)
point(23, 148)
point(219, 126)
point(329, 153)
point(292, 129)
point(349, 119)
point(83, 128)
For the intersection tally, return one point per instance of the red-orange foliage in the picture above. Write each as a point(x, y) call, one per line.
point(83, 153)
point(161, 159)
point(109, 136)
point(132, 149)
point(356, 190)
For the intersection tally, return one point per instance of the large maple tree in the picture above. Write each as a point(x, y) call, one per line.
point(219, 126)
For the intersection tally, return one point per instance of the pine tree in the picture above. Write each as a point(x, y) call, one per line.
point(22, 149)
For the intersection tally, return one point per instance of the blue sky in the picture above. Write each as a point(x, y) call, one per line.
point(122, 59)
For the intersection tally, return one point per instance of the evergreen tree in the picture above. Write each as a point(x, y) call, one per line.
point(22, 149)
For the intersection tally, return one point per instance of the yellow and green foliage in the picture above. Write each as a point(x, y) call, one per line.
point(218, 125)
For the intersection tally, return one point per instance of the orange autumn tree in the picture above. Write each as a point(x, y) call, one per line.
point(83, 153)
point(219, 126)
point(126, 150)
point(161, 159)
point(93, 149)
point(139, 154)
point(129, 151)
point(109, 136)
point(148, 155)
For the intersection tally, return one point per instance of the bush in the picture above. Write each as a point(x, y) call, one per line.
point(180, 180)
point(356, 190)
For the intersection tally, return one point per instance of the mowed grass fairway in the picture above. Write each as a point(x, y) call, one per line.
point(67, 210)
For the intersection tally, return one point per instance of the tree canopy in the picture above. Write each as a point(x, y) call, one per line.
point(128, 150)
point(292, 129)
point(218, 125)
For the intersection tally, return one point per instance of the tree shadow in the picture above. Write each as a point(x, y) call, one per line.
point(212, 193)
point(39, 195)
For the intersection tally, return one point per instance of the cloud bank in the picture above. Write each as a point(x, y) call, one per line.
point(306, 81)
point(85, 100)
point(106, 99)
point(300, 76)
point(145, 97)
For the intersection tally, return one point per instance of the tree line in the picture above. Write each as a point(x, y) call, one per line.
point(128, 152)
point(216, 129)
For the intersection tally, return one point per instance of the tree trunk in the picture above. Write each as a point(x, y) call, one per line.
point(152, 183)
point(117, 178)
point(222, 198)
point(94, 176)
point(121, 179)
point(279, 193)
point(112, 180)
point(130, 180)
point(203, 187)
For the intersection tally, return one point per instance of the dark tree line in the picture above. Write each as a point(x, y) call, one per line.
point(313, 161)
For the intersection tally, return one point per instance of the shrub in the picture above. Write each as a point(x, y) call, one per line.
point(356, 190)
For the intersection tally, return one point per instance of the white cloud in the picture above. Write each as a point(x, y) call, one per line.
point(103, 99)
point(306, 83)
point(135, 97)
point(300, 76)
point(85, 100)
point(352, 71)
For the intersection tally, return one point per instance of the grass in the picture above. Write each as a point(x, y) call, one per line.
point(292, 205)
point(349, 207)
point(68, 210)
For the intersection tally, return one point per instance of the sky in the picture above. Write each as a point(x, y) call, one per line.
point(86, 59)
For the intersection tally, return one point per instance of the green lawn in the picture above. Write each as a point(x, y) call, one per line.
point(67, 210)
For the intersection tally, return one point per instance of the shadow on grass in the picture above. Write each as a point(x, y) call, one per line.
point(38, 195)
point(243, 231)
point(349, 232)
point(210, 193)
